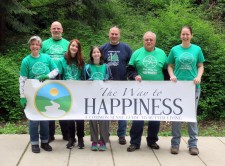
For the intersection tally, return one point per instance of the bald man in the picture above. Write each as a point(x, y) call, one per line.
point(56, 46)
point(117, 55)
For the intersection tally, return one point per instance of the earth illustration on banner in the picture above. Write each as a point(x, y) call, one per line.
point(53, 100)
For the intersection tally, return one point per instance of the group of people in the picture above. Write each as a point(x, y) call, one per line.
point(63, 60)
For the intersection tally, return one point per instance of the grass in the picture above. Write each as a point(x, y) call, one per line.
point(20, 127)
point(206, 128)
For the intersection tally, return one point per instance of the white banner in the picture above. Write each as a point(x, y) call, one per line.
point(110, 100)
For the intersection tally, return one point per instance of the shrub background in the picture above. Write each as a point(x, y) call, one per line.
point(89, 21)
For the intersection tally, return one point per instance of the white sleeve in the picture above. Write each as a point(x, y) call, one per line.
point(53, 73)
point(22, 80)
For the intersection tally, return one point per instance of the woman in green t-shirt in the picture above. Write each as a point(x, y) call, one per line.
point(185, 62)
point(71, 68)
point(39, 66)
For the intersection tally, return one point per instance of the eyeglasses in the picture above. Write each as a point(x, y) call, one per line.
point(148, 40)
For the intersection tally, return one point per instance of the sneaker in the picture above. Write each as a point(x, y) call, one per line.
point(70, 144)
point(51, 138)
point(154, 146)
point(80, 143)
point(132, 148)
point(102, 146)
point(193, 151)
point(94, 146)
point(174, 150)
point(35, 148)
point(46, 147)
point(122, 141)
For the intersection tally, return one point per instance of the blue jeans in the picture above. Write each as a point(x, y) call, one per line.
point(137, 131)
point(192, 128)
point(34, 131)
point(122, 127)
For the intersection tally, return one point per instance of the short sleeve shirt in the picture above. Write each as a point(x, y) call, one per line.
point(117, 58)
point(185, 61)
point(69, 72)
point(32, 67)
point(96, 72)
point(149, 65)
point(55, 48)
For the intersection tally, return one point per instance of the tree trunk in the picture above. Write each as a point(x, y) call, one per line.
point(2, 28)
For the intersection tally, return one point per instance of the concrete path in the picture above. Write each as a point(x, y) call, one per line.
point(15, 150)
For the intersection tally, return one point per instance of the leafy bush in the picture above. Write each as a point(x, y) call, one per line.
point(14, 128)
point(10, 109)
point(212, 102)
point(167, 27)
point(134, 18)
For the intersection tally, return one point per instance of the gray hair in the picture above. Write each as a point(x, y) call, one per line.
point(150, 32)
point(35, 38)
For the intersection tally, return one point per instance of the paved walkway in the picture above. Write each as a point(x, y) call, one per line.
point(15, 150)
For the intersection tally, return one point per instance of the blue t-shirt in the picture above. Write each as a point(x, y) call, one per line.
point(117, 58)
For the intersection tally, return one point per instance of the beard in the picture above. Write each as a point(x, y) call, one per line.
point(57, 36)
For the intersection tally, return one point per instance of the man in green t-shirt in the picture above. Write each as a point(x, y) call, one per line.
point(146, 63)
point(56, 46)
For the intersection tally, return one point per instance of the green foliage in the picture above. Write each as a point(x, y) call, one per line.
point(214, 10)
point(15, 14)
point(167, 27)
point(88, 37)
point(36, 3)
point(212, 103)
point(10, 109)
point(89, 21)
point(165, 133)
point(206, 128)
point(13, 128)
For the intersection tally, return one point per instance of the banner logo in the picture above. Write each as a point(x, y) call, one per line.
point(53, 100)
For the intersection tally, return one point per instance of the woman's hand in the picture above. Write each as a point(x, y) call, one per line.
point(197, 80)
point(171, 73)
